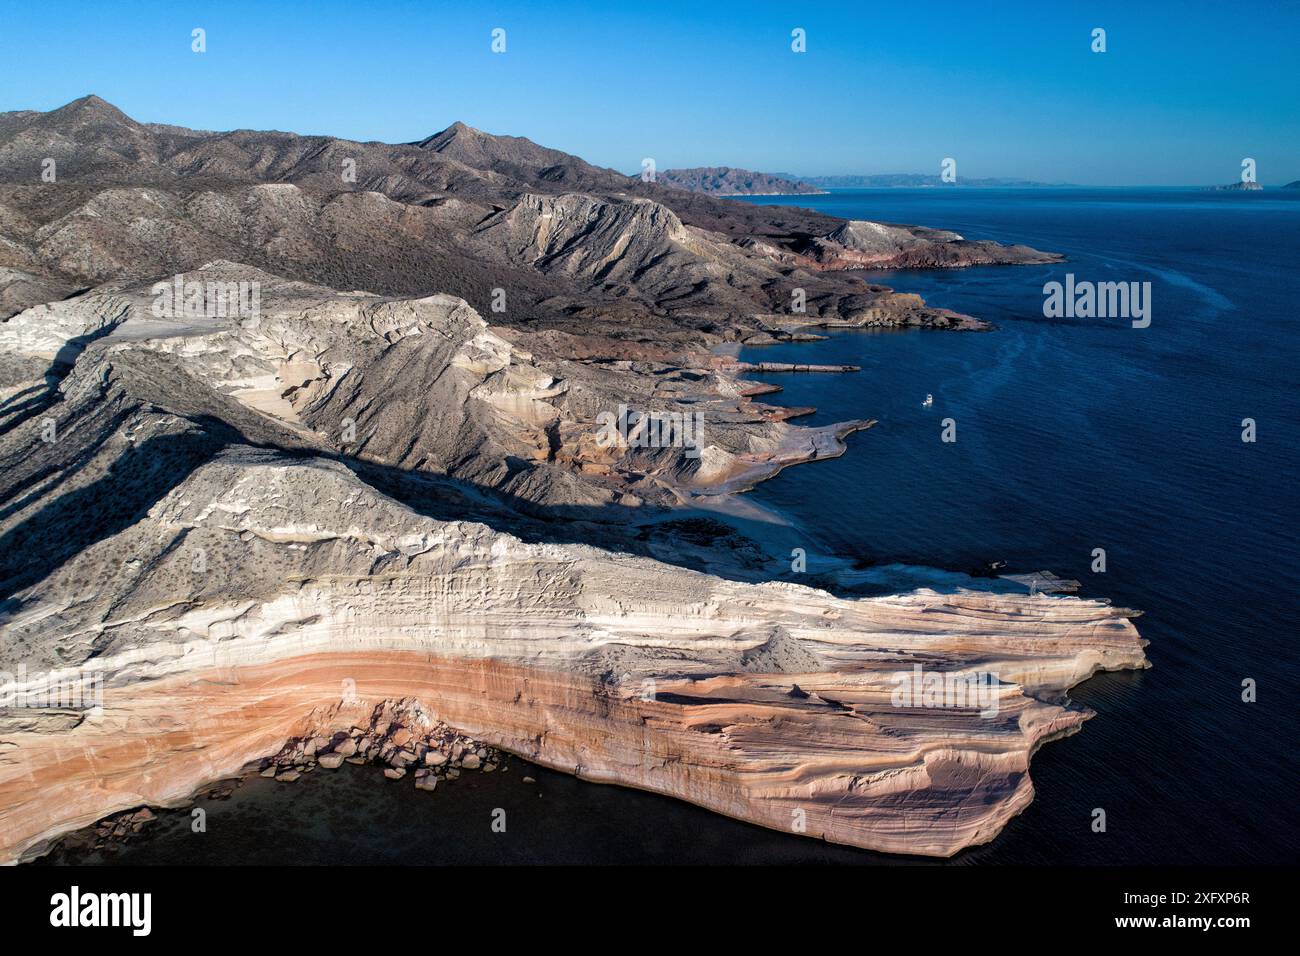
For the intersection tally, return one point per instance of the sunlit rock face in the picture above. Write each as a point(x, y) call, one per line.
point(418, 384)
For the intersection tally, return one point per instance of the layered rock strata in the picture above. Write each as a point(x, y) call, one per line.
point(319, 598)
point(420, 385)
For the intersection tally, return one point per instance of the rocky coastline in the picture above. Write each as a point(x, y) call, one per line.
point(335, 526)
point(401, 738)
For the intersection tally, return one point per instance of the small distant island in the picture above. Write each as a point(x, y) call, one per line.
point(729, 181)
point(1293, 185)
point(1242, 187)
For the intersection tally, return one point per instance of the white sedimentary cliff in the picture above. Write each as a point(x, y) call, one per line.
point(316, 597)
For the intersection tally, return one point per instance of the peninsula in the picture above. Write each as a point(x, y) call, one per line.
point(296, 432)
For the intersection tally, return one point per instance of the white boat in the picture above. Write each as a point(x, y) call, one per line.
point(929, 400)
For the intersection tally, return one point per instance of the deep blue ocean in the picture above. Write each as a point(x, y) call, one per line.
point(1072, 434)
point(1075, 434)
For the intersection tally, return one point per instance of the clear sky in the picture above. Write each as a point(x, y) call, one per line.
point(1184, 91)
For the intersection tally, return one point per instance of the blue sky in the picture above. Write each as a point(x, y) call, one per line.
point(1182, 94)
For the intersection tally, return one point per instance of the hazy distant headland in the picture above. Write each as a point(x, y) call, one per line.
point(729, 181)
point(793, 184)
point(887, 180)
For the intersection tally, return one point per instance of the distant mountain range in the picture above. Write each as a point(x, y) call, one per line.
point(879, 180)
point(461, 212)
point(729, 181)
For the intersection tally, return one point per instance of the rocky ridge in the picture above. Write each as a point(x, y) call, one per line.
point(137, 200)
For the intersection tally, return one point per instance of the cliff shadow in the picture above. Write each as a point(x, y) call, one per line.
point(136, 480)
point(34, 400)
point(730, 544)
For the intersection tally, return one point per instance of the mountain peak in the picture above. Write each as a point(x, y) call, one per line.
point(440, 140)
point(91, 107)
point(481, 150)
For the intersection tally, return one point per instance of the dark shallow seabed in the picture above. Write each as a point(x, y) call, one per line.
point(1072, 434)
